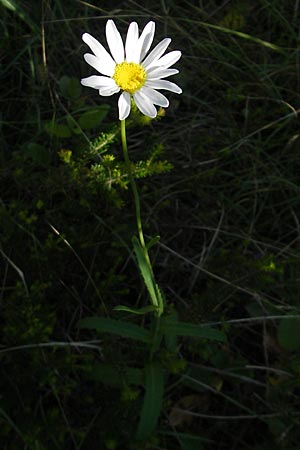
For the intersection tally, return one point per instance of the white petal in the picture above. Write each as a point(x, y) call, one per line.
point(97, 82)
point(164, 84)
point(124, 105)
point(145, 106)
point(156, 52)
point(107, 91)
point(155, 97)
point(100, 64)
point(114, 41)
point(131, 43)
point(169, 59)
point(108, 64)
point(155, 73)
point(94, 45)
point(146, 39)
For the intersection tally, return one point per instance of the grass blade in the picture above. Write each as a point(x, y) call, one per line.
point(14, 6)
point(244, 36)
point(138, 311)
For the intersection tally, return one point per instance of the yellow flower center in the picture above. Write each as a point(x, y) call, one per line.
point(129, 76)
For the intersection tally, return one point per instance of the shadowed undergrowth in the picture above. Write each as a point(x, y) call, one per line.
point(218, 175)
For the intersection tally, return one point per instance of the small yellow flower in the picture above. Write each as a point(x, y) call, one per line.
point(129, 69)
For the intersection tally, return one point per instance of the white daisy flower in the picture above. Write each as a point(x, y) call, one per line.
point(129, 69)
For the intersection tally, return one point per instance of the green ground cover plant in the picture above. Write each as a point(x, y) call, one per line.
point(218, 179)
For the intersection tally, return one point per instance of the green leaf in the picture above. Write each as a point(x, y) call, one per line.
point(152, 405)
point(171, 327)
point(10, 4)
point(288, 333)
point(110, 375)
point(160, 299)
point(171, 339)
point(153, 289)
point(139, 311)
point(118, 327)
point(156, 335)
point(152, 242)
point(38, 153)
point(93, 117)
point(144, 268)
point(70, 87)
point(57, 129)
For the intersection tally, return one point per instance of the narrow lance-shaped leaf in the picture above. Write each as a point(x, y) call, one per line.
point(118, 327)
point(192, 330)
point(152, 242)
point(145, 271)
point(153, 398)
point(170, 338)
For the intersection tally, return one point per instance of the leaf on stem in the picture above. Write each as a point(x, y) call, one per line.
point(145, 270)
point(174, 328)
point(152, 242)
point(152, 400)
point(118, 327)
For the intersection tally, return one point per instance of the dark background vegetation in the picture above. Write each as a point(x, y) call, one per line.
point(219, 177)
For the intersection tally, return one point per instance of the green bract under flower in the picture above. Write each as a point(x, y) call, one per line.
point(129, 69)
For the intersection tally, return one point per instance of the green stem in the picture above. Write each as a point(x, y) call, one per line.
point(133, 185)
point(138, 210)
